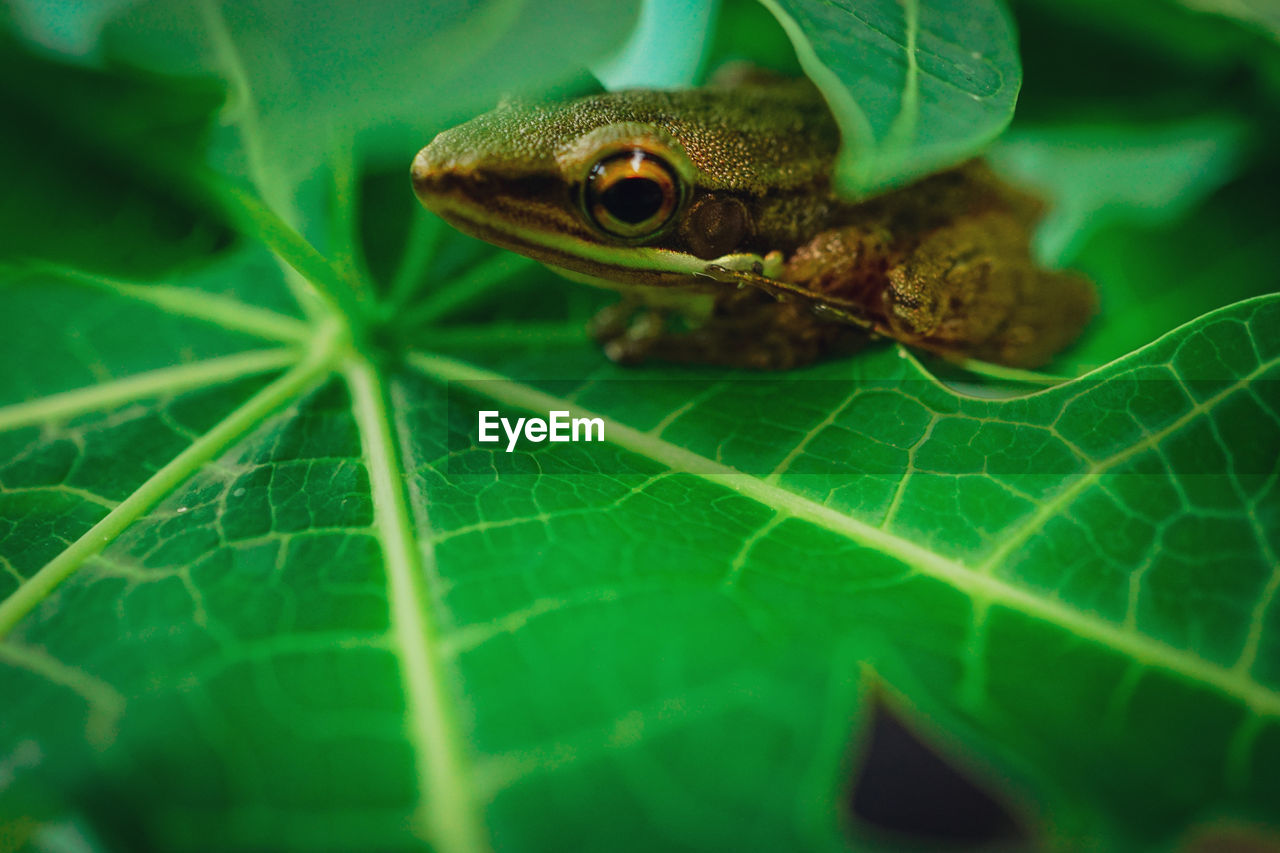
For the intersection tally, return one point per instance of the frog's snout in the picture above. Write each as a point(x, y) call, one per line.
point(430, 176)
point(439, 176)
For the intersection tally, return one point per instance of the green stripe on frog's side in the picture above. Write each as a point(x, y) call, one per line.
point(691, 192)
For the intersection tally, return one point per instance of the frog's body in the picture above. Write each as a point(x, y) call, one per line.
point(738, 178)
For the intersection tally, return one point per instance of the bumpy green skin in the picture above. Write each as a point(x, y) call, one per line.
point(944, 264)
point(771, 146)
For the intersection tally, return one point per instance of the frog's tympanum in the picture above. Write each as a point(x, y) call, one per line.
point(713, 211)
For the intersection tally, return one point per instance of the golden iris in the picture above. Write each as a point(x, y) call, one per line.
point(631, 194)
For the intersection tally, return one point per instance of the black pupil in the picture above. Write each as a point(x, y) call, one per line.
point(633, 200)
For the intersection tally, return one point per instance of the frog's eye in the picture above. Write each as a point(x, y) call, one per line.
point(631, 193)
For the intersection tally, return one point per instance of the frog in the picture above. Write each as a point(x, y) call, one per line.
point(714, 212)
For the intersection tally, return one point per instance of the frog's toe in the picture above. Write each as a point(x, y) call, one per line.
point(627, 351)
point(611, 321)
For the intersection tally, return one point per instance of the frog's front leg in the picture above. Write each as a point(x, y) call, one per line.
point(628, 330)
point(612, 321)
point(747, 329)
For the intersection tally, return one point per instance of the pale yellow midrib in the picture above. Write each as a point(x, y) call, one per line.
point(221, 311)
point(1143, 649)
point(152, 383)
point(249, 119)
point(449, 816)
point(902, 130)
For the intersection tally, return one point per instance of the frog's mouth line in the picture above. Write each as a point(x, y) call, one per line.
point(473, 205)
point(630, 265)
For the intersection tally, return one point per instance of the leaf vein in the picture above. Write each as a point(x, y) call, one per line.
point(153, 383)
point(980, 585)
point(448, 812)
point(288, 387)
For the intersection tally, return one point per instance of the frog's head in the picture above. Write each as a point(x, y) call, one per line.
point(630, 187)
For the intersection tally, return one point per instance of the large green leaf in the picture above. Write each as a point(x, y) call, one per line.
point(914, 86)
point(301, 607)
point(262, 590)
